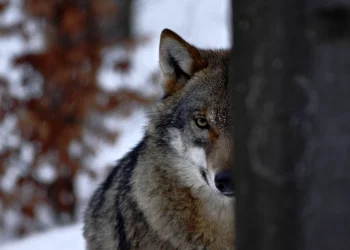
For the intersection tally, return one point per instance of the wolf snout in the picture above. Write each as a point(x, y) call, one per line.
point(223, 182)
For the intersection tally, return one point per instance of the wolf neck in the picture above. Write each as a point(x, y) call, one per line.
point(179, 206)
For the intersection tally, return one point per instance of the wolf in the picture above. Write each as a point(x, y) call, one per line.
point(174, 190)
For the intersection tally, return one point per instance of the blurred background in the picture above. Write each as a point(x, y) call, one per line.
point(76, 80)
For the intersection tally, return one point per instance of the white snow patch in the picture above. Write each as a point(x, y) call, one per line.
point(67, 238)
point(9, 179)
point(75, 149)
point(8, 138)
point(84, 187)
point(46, 173)
point(130, 131)
point(12, 14)
point(27, 152)
point(11, 219)
point(44, 215)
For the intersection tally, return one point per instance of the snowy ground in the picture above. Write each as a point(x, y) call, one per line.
point(204, 23)
point(63, 238)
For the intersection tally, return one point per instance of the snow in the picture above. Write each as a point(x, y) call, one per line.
point(84, 189)
point(8, 139)
point(63, 238)
point(46, 172)
point(203, 23)
point(131, 131)
point(15, 44)
point(13, 14)
point(9, 179)
point(27, 152)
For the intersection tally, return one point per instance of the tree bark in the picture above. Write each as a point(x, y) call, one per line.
point(291, 107)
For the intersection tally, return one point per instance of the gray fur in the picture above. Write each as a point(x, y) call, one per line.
point(156, 197)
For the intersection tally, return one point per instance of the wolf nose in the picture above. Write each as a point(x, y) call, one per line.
point(223, 183)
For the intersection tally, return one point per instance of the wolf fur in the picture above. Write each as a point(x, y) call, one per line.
point(162, 194)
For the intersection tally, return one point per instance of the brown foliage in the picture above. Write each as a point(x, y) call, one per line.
point(68, 66)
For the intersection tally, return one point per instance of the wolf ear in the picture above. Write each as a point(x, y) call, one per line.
point(178, 61)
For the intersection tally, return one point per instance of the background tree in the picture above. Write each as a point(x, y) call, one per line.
point(291, 110)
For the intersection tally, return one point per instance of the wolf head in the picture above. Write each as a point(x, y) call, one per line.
point(193, 117)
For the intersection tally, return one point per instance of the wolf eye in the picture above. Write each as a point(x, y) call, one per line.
point(202, 123)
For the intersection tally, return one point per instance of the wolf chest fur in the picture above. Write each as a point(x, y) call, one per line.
point(173, 190)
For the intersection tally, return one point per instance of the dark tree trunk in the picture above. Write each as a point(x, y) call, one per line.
point(114, 25)
point(291, 113)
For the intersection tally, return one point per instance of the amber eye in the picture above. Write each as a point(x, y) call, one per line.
point(202, 123)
